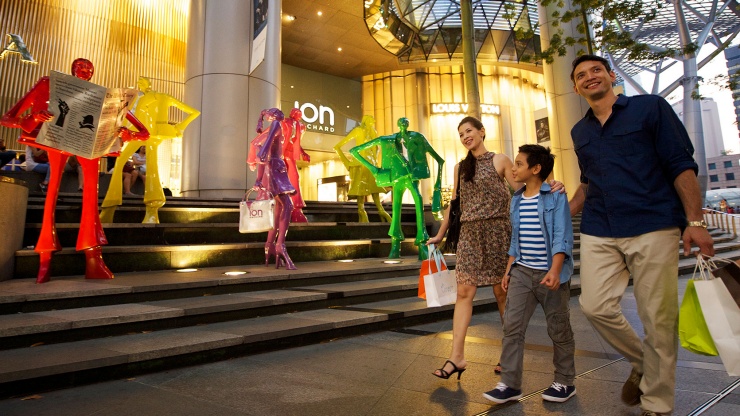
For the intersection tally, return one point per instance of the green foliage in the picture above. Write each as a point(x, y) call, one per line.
point(599, 28)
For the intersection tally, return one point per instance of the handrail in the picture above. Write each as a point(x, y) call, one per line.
point(722, 220)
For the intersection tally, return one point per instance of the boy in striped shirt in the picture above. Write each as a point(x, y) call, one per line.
point(539, 270)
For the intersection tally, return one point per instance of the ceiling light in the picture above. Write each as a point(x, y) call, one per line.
point(320, 13)
point(186, 270)
point(339, 49)
point(289, 18)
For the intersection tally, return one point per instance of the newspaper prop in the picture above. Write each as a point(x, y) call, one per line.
point(86, 116)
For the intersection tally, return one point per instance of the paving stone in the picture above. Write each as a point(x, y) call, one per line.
point(270, 327)
point(342, 318)
point(280, 296)
point(30, 323)
point(112, 314)
point(59, 288)
point(212, 304)
point(44, 360)
point(121, 397)
point(167, 343)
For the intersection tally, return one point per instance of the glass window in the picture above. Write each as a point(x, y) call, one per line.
point(713, 178)
point(712, 166)
point(730, 176)
point(728, 163)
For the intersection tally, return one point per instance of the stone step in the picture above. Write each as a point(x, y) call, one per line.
point(154, 256)
point(129, 234)
point(120, 259)
point(23, 369)
point(187, 210)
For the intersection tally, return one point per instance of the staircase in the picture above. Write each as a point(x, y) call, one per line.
point(72, 331)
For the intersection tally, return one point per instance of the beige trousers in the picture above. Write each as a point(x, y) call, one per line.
point(652, 260)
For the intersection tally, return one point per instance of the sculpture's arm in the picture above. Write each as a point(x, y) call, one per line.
point(190, 111)
point(355, 151)
point(38, 94)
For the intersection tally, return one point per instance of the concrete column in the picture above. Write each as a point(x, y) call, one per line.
point(564, 107)
point(218, 83)
point(692, 107)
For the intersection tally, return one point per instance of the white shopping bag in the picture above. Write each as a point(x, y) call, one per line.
point(721, 314)
point(256, 216)
point(441, 286)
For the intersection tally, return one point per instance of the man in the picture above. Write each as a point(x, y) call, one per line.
point(638, 193)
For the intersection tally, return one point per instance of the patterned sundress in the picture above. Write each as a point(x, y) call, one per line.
point(485, 227)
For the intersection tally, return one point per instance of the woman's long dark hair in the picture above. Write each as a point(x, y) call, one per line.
point(467, 165)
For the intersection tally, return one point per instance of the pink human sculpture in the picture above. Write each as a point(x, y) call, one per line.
point(293, 129)
point(266, 155)
point(91, 236)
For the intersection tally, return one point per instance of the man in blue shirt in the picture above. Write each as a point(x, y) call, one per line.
point(638, 192)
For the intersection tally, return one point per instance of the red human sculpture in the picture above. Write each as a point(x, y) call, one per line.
point(91, 236)
point(266, 155)
point(293, 129)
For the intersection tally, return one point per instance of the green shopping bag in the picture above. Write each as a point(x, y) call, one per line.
point(692, 329)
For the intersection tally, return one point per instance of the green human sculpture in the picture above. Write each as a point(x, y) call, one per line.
point(362, 183)
point(399, 172)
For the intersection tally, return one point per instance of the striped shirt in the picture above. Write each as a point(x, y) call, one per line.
point(531, 239)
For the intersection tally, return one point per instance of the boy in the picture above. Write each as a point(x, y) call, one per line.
point(539, 270)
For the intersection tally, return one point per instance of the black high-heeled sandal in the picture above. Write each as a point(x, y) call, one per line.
point(445, 375)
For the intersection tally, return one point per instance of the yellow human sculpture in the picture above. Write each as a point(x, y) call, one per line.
point(361, 180)
point(152, 109)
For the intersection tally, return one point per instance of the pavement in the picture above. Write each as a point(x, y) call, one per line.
point(389, 373)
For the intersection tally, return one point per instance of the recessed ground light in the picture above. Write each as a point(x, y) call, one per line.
point(345, 261)
point(449, 254)
point(392, 261)
point(235, 273)
point(186, 270)
point(289, 18)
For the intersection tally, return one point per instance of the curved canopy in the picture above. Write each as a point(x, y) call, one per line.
point(424, 30)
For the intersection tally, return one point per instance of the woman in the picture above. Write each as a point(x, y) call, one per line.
point(139, 161)
point(37, 160)
point(485, 232)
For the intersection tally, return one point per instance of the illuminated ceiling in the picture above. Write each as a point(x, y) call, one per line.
point(418, 30)
point(424, 30)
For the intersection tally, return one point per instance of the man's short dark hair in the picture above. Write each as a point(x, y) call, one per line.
point(539, 155)
point(584, 58)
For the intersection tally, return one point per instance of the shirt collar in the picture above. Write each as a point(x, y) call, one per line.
point(622, 101)
point(545, 188)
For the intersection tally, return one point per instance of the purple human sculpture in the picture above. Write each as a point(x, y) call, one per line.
point(266, 155)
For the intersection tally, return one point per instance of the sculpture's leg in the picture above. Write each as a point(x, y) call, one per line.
point(153, 194)
point(48, 241)
point(361, 209)
point(284, 206)
point(395, 232)
point(384, 217)
point(421, 230)
point(297, 215)
point(113, 197)
point(91, 235)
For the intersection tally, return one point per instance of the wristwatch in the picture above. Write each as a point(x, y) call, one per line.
point(701, 223)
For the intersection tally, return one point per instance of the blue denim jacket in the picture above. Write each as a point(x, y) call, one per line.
point(556, 224)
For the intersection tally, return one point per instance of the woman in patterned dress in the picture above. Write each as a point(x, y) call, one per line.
point(485, 232)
